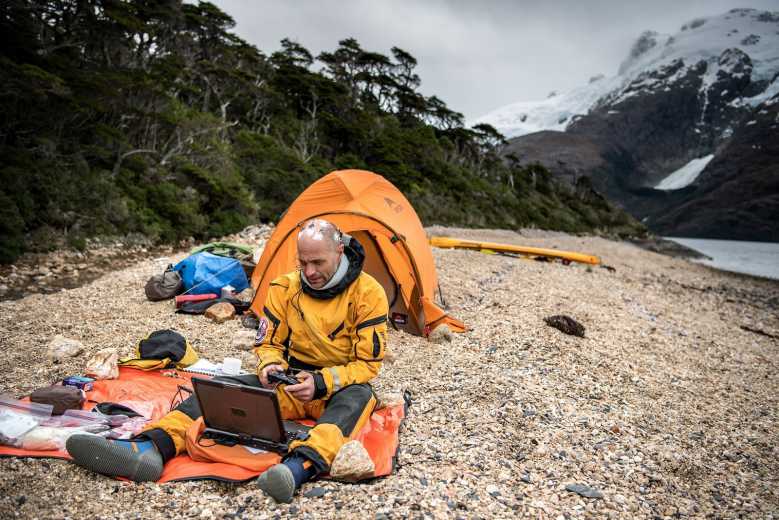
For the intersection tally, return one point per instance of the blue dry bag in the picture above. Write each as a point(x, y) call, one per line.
point(208, 273)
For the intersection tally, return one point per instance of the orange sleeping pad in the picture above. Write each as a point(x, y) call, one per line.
point(379, 436)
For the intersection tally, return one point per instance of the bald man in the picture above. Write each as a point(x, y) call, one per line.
point(328, 322)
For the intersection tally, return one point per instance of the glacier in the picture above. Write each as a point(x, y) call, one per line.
point(685, 175)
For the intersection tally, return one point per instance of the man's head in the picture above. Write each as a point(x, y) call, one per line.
point(319, 251)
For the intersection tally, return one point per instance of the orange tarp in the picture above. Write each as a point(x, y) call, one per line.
point(371, 209)
point(379, 436)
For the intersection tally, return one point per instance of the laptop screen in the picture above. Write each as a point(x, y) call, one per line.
point(239, 409)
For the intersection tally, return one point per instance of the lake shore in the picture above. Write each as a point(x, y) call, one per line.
point(667, 407)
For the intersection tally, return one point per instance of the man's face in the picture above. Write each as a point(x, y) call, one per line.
point(318, 259)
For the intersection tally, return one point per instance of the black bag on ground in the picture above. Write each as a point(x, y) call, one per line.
point(161, 349)
point(202, 306)
point(164, 286)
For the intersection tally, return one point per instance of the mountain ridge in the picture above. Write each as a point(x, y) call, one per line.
point(711, 89)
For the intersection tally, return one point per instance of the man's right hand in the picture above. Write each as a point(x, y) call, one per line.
point(267, 370)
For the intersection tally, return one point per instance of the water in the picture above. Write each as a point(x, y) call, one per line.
point(755, 258)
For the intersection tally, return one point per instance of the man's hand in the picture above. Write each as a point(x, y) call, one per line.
point(304, 391)
point(267, 370)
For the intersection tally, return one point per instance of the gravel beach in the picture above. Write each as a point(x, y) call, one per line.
point(667, 408)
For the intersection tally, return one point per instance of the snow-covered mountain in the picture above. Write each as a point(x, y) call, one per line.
point(688, 118)
point(721, 42)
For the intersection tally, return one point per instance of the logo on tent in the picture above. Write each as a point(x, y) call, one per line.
point(397, 208)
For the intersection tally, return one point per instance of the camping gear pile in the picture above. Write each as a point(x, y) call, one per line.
point(149, 384)
point(54, 413)
point(212, 274)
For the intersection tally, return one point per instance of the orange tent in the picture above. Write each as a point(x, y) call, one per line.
point(397, 253)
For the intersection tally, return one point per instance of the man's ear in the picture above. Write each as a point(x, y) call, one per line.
point(340, 247)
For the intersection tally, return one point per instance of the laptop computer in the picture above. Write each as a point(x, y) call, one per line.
point(247, 415)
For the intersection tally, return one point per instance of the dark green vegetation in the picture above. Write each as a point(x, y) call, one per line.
point(150, 117)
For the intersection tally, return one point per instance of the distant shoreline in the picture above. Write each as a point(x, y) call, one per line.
point(754, 259)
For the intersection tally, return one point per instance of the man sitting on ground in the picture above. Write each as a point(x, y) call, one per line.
point(329, 320)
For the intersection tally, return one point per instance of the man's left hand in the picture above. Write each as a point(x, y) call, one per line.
point(304, 391)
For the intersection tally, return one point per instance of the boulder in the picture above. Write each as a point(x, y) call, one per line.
point(61, 347)
point(243, 339)
point(352, 463)
point(221, 312)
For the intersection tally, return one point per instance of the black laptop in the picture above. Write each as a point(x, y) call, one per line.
point(247, 415)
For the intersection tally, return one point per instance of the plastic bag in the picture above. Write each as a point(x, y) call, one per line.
point(44, 438)
point(129, 428)
point(18, 417)
point(54, 432)
point(83, 419)
point(104, 364)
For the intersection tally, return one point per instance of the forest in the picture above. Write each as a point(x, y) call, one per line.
point(152, 119)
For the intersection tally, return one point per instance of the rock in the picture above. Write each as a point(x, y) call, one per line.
point(492, 490)
point(387, 399)
point(61, 347)
point(250, 321)
point(566, 324)
point(441, 334)
point(389, 355)
point(584, 490)
point(352, 463)
point(316, 492)
point(221, 312)
point(246, 295)
point(243, 339)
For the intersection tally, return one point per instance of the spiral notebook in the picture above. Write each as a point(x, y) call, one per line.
point(205, 367)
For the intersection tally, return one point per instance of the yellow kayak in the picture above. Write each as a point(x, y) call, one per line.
point(495, 248)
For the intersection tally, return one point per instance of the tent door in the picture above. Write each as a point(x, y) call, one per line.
point(376, 266)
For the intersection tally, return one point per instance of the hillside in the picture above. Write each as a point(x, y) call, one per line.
point(154, 120)
point(683, 136)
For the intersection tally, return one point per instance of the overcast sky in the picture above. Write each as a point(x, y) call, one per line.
point(478, 55)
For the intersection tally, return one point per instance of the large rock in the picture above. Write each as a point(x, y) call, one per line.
point(352, 463)
point(243, 339)
point(61, 347)
point(221, 312)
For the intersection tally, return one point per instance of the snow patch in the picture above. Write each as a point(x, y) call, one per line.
point(553, 113)
point(685, 175)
